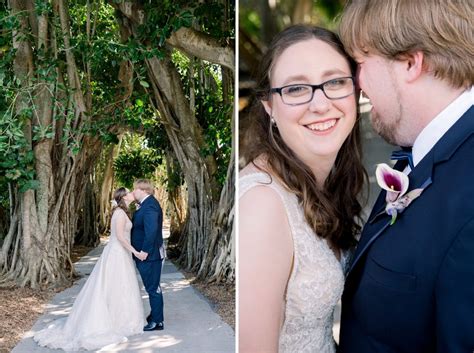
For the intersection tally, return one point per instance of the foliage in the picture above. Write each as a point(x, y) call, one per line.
point(210, 15)
point(165, 17)
point(324, 13)
point(158, 141)
point(103, 51)
point(136, 160)
point(16, 165)
point(212, 111)
point(17, 161)
point(4, 197)
point(162, 18)
point(16, 144)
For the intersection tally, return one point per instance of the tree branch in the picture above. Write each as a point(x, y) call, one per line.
point(203, 46)
point(188, 40)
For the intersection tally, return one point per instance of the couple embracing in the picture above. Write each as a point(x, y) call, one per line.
point(109, 307)
point(408, 285)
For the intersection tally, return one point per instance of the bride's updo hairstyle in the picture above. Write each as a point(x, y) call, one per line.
point(119, 194)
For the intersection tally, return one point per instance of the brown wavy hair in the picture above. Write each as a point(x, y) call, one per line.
point(334, 211)
point(119, 194)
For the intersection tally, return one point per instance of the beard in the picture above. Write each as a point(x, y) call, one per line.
point(386, 128)
point(389, 122)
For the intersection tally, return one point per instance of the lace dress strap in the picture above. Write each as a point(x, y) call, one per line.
point(290, 202)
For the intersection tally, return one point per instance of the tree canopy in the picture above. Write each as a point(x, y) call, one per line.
point(77, 78)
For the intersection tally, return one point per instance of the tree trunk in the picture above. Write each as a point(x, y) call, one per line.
point(219, 260)
point(36, 250)
point(106, 187)
point(302, 11)
point(4, 223)
point(186, 141)
point(185, 133)
point(87, 234)
point(269, 26)
point(175, 199)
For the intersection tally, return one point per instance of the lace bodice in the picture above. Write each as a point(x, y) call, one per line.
point(316, 281)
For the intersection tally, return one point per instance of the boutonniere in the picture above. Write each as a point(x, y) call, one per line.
point(396, 185)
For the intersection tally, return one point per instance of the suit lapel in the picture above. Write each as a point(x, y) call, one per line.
point(421, 175)
point(146, 201)
point(379, 221)
point(138, 210)
point(379, 206)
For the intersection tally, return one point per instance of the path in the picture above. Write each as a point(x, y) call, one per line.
point(191, 326)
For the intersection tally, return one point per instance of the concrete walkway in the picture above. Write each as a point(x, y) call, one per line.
point(191, 326)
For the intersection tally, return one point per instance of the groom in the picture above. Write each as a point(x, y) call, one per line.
point(411, 284)
point(147, 238)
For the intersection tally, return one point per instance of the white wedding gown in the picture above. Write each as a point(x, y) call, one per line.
point(109, 307)
point(316, 281)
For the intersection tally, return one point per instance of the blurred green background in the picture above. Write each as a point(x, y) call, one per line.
point(260, 20)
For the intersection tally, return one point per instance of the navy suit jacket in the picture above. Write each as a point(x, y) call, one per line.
point(147, 228)
point(411, 286)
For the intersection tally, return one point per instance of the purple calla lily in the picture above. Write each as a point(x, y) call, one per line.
point(395, 182)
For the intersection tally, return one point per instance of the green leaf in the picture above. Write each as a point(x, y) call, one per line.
point(30, 184)
point(144, 84)
point(13, 174)
point(75, 150)
point(9, 163)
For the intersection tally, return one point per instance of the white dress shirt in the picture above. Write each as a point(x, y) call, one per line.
point(147, 196)
point(433, 132)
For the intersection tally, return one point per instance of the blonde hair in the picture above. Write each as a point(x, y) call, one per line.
point(145, 185)
point(441, 29)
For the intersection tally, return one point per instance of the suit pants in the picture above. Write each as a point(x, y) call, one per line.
point(150, 271)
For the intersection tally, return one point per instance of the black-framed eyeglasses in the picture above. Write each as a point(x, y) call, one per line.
point(336, 88)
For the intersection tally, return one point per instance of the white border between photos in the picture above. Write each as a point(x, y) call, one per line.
point(236, 161)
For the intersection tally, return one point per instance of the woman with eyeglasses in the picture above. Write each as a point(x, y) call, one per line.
point(298, 195)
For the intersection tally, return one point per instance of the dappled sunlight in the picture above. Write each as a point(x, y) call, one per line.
point(144, 343)
point(218, 327)
point(86, 264)
point(165, 340)
point(175, 286)
point(170, 287)
point(58, 310)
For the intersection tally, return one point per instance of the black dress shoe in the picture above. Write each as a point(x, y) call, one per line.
point(152, 326)
point(148, 318)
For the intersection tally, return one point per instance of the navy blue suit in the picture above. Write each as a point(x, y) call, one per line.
point(411, 286)
point(147, 236)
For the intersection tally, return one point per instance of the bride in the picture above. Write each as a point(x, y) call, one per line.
point(109, 307)
point(298, 194)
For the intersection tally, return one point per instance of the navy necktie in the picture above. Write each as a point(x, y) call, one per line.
point(404, 154)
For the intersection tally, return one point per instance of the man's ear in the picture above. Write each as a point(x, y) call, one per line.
point(415, 62)
point(268, 106)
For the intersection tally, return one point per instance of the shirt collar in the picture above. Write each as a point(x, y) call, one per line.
point(147, 196)
point(433, 132)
